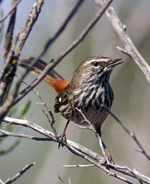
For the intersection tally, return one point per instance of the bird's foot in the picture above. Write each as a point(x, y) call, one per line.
point(62, 139)
point(109, 162)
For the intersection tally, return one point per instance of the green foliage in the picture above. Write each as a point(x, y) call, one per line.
point(11, 128)
point(12, 147)
point(24, 109)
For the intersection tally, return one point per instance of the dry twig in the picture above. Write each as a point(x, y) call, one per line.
point(83, 152)
point(10, 11)
point(130, 49)
point(18, 175)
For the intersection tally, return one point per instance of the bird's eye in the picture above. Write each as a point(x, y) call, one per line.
point(95, 64)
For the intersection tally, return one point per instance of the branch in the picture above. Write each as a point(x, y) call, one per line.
point(12, 62)
point(52, 121)
point(9, 68)
point(83, 34)
point(10, 11)
point(18, 175)
point(83, 152)
point(51, 40)
point(13, 99)
point(31, 86)
point(61, 29)
point(69, 49)
point(131, 134)
point(22, 37)
point(130, 49)
point(9, 33)
point(6, 133)
point(24, 34)
point(33, 15)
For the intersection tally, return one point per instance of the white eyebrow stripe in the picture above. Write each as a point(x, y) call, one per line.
point(99, 60)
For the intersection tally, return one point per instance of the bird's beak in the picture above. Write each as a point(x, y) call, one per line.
point(117, 62)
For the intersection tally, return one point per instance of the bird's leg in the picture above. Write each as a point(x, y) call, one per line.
point(63, 135)
point(110, 159)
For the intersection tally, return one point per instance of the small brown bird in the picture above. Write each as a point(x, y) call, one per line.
point(81, 100)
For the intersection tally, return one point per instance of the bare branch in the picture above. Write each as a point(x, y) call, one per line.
point(6, 133)
point(28, 26)
point(52, 121)
point(83, 152)
point(9, 69)
point(92, 128)
point(32, 85)
point(79, 165)
point(61, 179)
point(51, 40)
point(11, 61)
point(10, 11)
point(18, 175)
point(61, 29)
point(23, 36)
point(81, 37)
point(75, 43)
point(33, 126)
point(132, 134)
point(9, 33)
point(83, 33)
point(130, 49)
point(1, 182)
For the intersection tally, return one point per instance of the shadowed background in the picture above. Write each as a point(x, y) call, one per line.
point(131, 90)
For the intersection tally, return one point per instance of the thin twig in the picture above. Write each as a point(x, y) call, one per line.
point(30, 124)
point(9, 67)
point(9, 33)
point(130, 49)
point(69, 180)
point(6, 133)
point(18, 175)
point(62, 28)
point(92, 128)
point(23, 35)
point(32, 85)
point(79, 165)
point(83, 152)
point(132, 134)
point(45, 105)
point(1, 182)
point(51, 123)
point(61, 179)
point(10, 11)
point(83, 34)
point(51, 40)
point(33, 16)
point(22, 38)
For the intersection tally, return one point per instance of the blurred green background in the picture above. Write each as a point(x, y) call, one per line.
point(131, 90)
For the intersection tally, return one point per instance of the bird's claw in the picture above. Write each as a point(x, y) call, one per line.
point(109, 161)
point(62, 139)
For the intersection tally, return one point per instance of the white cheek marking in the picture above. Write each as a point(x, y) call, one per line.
point(60, 99)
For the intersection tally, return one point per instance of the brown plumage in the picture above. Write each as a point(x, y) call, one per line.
point(85, 94)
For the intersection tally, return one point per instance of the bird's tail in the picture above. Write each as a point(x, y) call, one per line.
point(52, 78)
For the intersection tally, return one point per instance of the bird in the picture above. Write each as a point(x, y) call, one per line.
point(83, 99)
